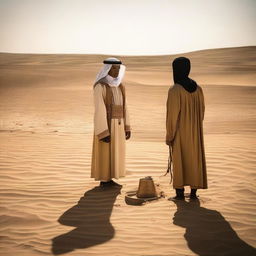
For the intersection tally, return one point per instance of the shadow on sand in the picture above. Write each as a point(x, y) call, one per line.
point(91, 217)
point(207, 231)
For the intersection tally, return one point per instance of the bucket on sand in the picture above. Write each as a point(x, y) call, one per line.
point(146, 188)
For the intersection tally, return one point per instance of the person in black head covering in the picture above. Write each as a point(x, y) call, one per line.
point(184, 130)
point(181, 69)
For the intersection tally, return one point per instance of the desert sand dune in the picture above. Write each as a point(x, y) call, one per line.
point(51, 206)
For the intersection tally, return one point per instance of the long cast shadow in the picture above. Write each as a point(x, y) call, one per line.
point(207, 231)
point(91, 217)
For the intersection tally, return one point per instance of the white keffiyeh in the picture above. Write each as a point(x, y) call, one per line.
point(111, 81)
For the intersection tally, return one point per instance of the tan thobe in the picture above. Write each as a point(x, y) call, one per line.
point(108, 159)
point(184, 131)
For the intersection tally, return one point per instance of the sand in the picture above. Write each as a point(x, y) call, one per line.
point(50, 205)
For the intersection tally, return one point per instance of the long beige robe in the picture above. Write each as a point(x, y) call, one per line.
point(108, 159)
point(184, 132)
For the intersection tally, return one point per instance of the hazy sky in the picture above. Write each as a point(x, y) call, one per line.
point(125, 27)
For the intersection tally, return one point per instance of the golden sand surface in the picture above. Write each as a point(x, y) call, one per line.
point(49, 205)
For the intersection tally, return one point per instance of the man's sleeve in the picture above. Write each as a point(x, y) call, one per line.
point(127, 119)
point(100, 113)
point(172, 114)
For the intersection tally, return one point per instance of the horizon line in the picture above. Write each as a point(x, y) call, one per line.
point(146, 55)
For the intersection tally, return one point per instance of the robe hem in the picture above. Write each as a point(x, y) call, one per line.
point(194, 187)
point(98, 179)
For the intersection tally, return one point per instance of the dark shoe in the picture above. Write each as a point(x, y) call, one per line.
point(109, 184)
point(104, 183)
point(112, 183)
point(179, 194)
point(193, 194)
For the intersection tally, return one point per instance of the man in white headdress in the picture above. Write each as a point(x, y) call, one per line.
point(111, 124)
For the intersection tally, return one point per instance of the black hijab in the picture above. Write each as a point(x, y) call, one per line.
point(181, 69)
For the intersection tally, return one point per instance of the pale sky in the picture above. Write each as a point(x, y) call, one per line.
point(125, 27)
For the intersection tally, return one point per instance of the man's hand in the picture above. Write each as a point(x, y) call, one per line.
point(106, 139)
point(128, 135)
point(167, 143)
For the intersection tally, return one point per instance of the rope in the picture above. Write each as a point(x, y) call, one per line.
point(169, 166)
